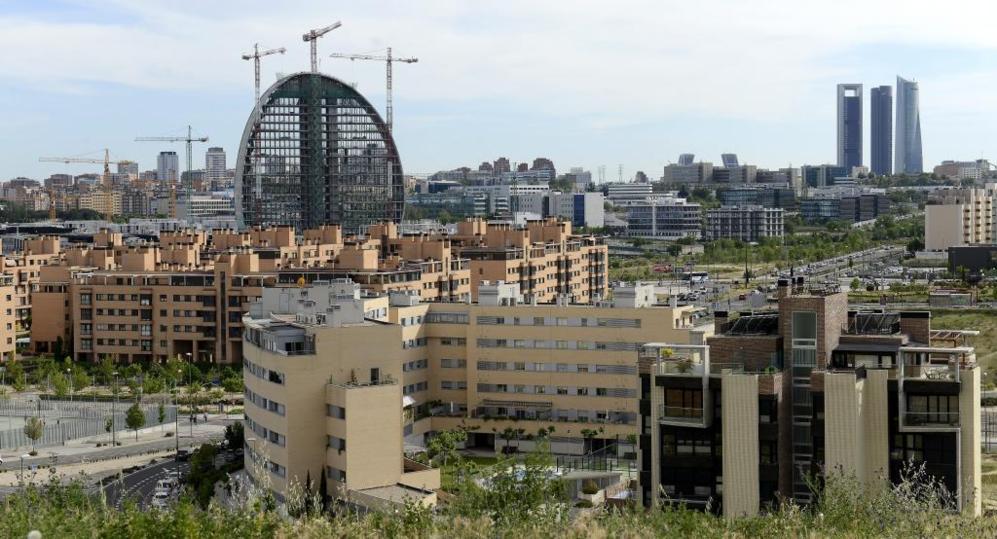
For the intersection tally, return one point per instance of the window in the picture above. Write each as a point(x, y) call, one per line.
point(335, 474)
point(338, 444)
point(337, 412)
point(453, 363)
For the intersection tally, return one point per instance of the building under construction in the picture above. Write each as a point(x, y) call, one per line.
point(316, 152)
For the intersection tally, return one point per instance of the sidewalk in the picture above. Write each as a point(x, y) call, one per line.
point(150, 440)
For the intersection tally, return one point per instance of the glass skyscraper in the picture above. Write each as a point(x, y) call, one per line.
point(907, 156)
point(849, 126)
point(881, 145)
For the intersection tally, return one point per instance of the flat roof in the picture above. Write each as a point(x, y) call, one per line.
point(396, 493)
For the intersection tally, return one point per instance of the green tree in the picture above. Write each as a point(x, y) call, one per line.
point(161, 414)
point(80, 379)
point(60, 384)
point(232, 384)
point(108, 425)
point(443, 446)
point(15, 373)
point(34, 429)
point(135, 419)
point(152, 385)
point(234, 435)
point(856, 284)
point(105, 371)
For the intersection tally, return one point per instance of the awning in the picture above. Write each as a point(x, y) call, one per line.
point(518, 404)
point(407, 401)
point(870, 348)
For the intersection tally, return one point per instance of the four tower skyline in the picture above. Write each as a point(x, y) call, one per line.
point(906, 150)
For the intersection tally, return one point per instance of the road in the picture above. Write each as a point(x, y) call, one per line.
point(139, 486)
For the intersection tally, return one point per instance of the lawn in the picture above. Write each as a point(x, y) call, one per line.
point(982, 320)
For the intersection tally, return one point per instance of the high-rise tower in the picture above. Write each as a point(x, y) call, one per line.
point(849, 126)
point(907, 155)
point(881, 134)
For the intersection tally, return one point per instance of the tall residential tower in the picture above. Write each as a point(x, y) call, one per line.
point(849, 126)
point(881, 145)
point(907, 156)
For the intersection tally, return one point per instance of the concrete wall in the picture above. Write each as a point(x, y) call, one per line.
point(971, 481)
point(740, 438)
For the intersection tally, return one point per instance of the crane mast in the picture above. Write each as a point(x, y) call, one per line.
point(311, 37)
point(255, 56)
point(189, 139)
point(388, 59)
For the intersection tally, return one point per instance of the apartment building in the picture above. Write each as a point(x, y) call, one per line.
point(744, 223)
point(956, 217)
point(739, 423)
point(626, 194)
point(186, 295)
point(375, 369)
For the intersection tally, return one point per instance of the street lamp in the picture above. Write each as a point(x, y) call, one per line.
point(69, 374)
point(114, 409)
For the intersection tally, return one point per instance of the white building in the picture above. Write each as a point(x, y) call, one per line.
point(956, 217)
point(214, 168)
point(167, 167)
point(625, 194)
point(582, 209)
point(205, 206)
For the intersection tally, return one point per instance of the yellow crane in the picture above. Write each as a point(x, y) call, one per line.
point(105, 179)
point(388, 59)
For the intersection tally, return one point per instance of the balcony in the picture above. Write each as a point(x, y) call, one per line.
point(680, 415)
point(931, 419)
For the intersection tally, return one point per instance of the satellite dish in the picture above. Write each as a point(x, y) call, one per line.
point(756, 300)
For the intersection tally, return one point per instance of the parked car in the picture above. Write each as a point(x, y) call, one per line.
point(183, 455)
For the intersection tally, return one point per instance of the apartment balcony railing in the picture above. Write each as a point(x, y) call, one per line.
point(680, 414)
point(926, 419)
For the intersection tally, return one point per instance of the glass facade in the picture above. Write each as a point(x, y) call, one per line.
point(316, 152)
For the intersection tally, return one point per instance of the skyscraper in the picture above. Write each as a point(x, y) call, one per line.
point(729, 159)
point(128, 167)
point(317, 152)
point(686, 159)
point(849, 125)
point(214, 167)
point(881, 145)
point(907, 153)
point(167, 167)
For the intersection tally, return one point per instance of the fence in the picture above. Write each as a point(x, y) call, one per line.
point(989, 426)
point(65, 420)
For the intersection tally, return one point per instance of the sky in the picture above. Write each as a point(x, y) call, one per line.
point(585, 83)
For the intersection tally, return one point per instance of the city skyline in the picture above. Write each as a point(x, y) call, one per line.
point(88, 90)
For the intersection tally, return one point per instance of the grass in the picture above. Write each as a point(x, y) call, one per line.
point(982, 320)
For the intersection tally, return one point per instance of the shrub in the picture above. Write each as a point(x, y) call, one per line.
point(590, 487)
point(584, 504)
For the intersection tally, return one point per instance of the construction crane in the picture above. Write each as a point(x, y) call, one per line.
point(255, 56)
point(388, 60)
point(189, 139)
point(312, 36)
point(105, 178)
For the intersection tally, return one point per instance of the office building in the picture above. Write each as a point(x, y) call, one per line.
point(881, 132)
point(582, 209)
point(686, 159)
point(907, 156)
point(339, 165)
point(964, 170)
point(864, 207)
point(956, 217)
point(820, 210)
point(769, 197)
point(580, 179)
point(168, 167)
point(744, 223)
point(210, 205)
point(729, 160)
point(664, 217)
point(691, 174)
point(823, 175)
point(849, 125)
point(809, 390)
point(215, 168)
point(626, 194)
point(337, 379)
point(744, 174)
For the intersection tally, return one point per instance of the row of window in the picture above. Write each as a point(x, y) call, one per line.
point(618, 392)
point(415, 388)
point(558, 345)
point(415, 365)
point(337, 412)
point(264, 433)
point(266, 404)
point(555, 367)
point(414, 343)
point(263, 373)
point(449, 363)
point(410, 320)
point(453, 384)
point(559, 321)
point(446, 318)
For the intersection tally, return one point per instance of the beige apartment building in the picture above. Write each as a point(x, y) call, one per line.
point(186, 294)
point(354, 361)
point(956, 217)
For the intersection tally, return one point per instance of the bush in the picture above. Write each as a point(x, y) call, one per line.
point(33, 453)
point(584, 504)
point(590, 487)
point(169, 434)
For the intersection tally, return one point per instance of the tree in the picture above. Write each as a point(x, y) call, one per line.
point(232, 384)
point(105, 370)
point(161, 414)
point(508, 434)
point(235, 435)
point(444, 445)
point(34, 429)
point(80, 379)
point(135, 419)
point(108, 425)
point(152, 385)
point(60, 384)
point(915, 245)
point(855, 284)
point(15, 373)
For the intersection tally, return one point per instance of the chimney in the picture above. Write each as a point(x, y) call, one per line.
point(917, 325)
point(719, 320)
point(782, 288)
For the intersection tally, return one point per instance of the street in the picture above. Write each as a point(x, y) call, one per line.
point(140, 485)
